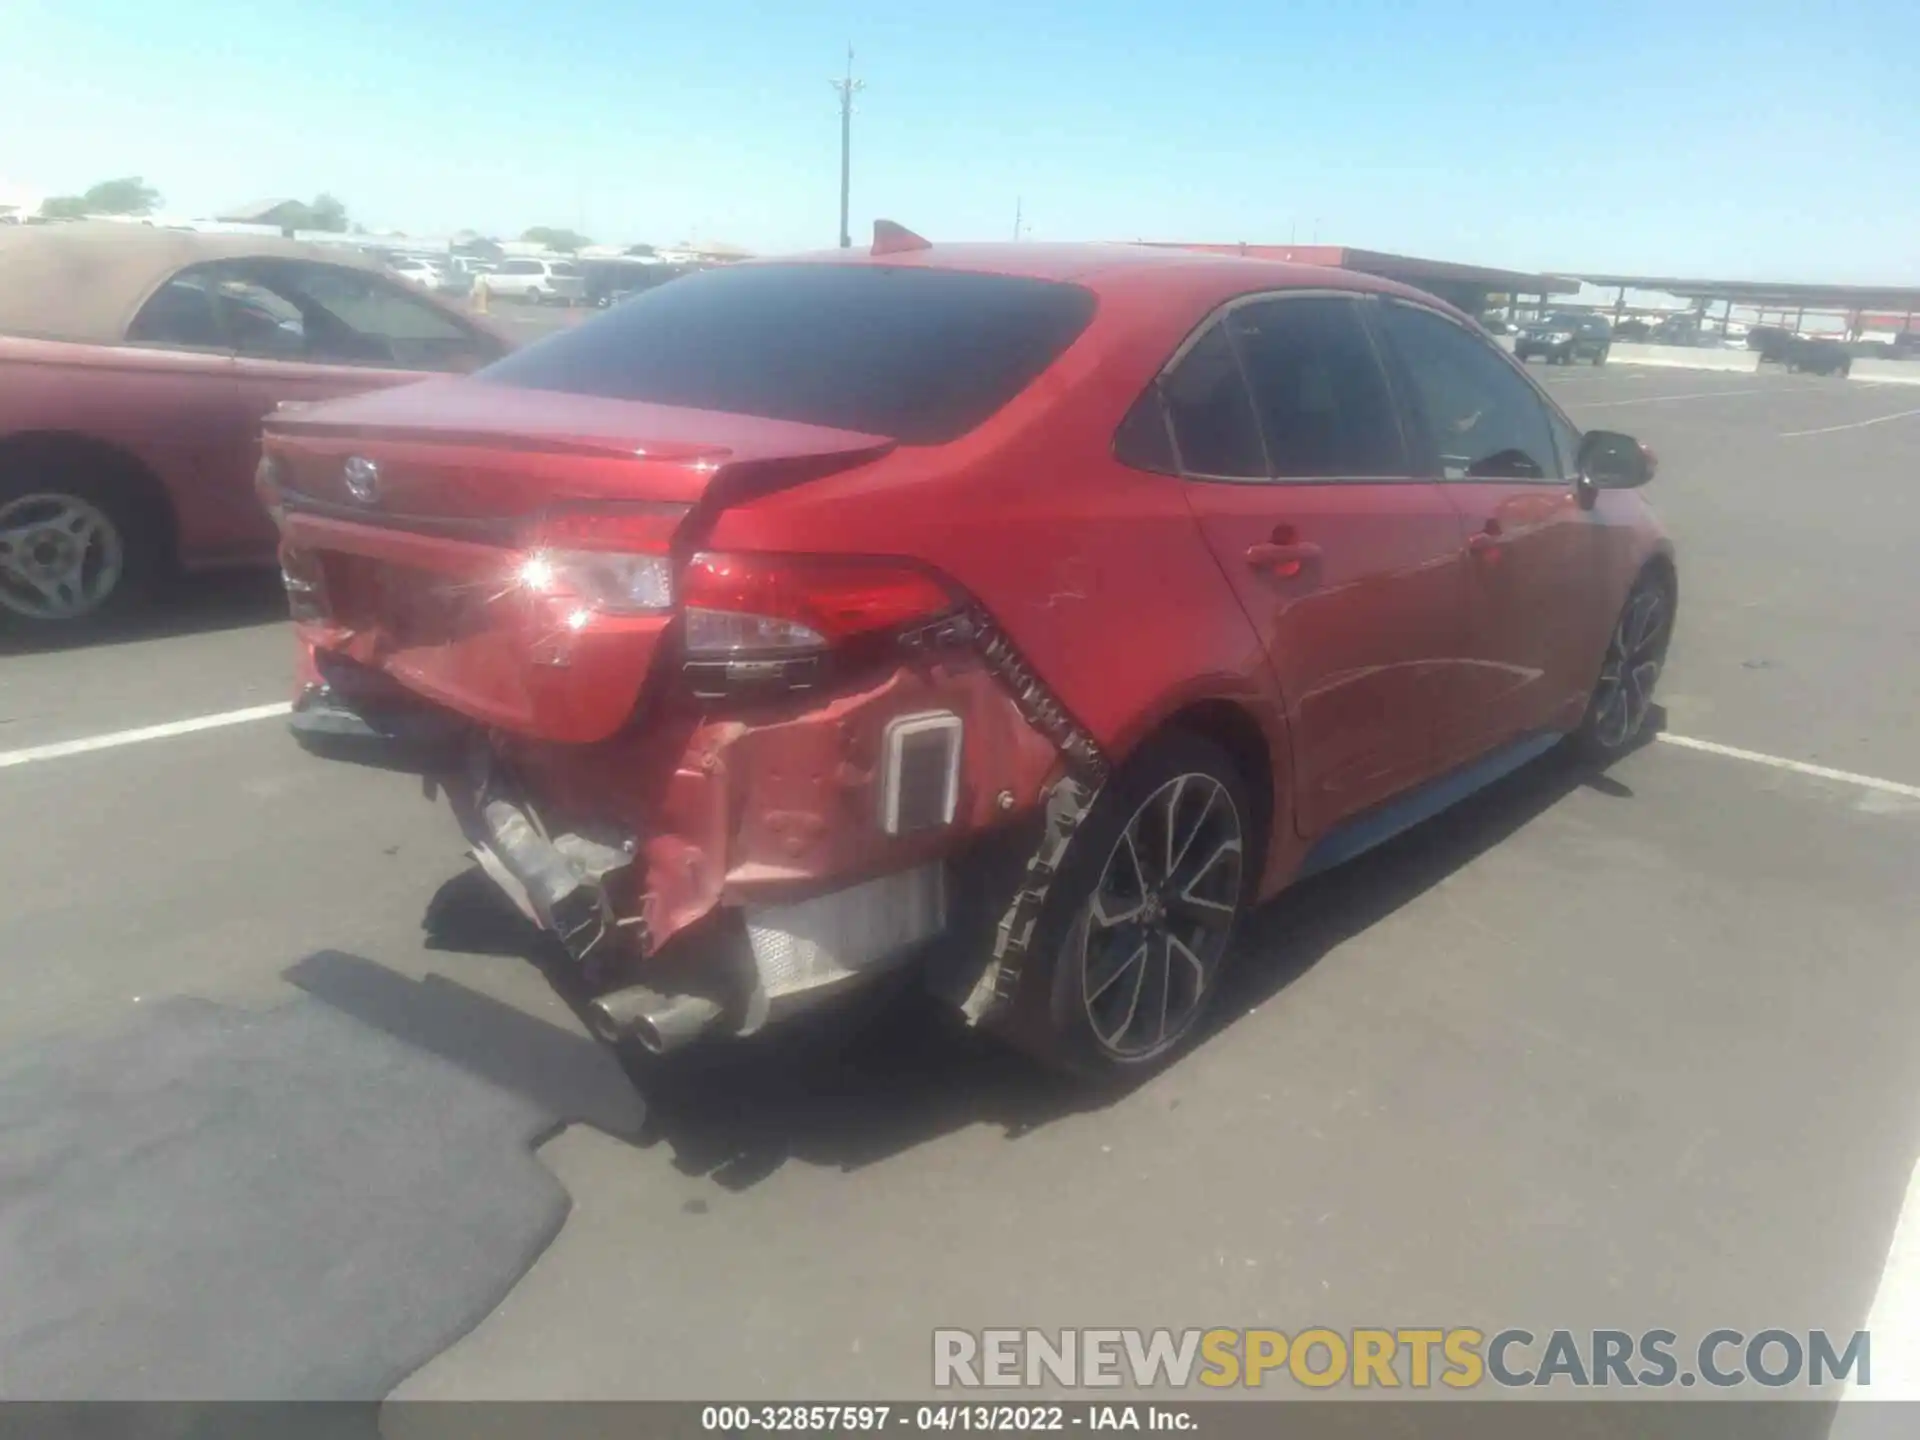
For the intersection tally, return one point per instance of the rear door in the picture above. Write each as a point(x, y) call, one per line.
point(1297, 469)
point(1505, 460)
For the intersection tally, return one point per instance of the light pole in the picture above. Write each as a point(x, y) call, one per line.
point(848, 88)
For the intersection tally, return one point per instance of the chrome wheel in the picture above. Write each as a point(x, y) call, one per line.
point(1635, 656)
point(1160, 918)
point(61, 557)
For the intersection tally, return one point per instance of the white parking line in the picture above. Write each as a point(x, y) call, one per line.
point(1690, 395)
point(1851, 425)
point(60, 749)
point(1798, 767)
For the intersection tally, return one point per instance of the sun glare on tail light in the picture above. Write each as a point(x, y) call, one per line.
point(745, 602)
point(602, 581)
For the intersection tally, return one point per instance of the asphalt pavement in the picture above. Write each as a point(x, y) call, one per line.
point(285, 1098)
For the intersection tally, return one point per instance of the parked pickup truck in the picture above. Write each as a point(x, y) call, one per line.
point(136, 366)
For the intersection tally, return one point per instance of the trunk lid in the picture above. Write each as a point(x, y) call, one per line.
point(416, 551)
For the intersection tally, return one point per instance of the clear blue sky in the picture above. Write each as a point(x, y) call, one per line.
point(1740, 138)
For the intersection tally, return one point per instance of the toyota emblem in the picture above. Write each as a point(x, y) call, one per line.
point(363, 479)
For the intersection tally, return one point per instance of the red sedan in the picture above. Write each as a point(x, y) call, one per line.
point(136, 364)
point(1021, 613)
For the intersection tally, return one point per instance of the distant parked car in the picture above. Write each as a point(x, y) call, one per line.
point(1677, 330)
point(136, 365)
point(540, 282)
point(1818, 357)
point(415, 268)
point(1563, 339)
point(442, 278)
point(1633, 331)
point(1772, 342)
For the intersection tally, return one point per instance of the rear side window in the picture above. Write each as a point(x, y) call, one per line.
point(1214, 424)
point(1317, 384)
point(919, 355)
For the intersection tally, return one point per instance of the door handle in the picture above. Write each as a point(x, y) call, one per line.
point(1486, 540)
point(1285, 561)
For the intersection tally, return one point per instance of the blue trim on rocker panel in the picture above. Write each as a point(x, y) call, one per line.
point(1383, 822)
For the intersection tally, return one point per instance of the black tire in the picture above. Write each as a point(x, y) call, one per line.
point(1600, 355)
point(132, 532)
point(1067, 1015)
point(1622, 696)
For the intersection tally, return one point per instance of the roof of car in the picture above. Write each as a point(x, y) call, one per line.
point(1065, 260)
point(1100, 264)
point(84, 281)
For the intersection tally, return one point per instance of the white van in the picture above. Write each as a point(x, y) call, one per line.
point(538, 281)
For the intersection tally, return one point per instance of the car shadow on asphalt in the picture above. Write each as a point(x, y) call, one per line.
point(850, 1090)
point(192, 605)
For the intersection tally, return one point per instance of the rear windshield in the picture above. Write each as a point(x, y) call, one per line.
point(920, 356)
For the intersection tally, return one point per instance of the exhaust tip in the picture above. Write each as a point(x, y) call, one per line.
point(659, 1024)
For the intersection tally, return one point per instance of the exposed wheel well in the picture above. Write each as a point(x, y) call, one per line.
point(102, 463)
point(1662, 568)
point(1233, 728)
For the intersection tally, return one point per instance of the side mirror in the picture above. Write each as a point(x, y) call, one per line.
point(1612, 461)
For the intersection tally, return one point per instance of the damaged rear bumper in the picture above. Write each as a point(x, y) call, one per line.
point(720, 874)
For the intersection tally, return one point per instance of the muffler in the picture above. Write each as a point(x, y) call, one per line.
point(661, 1023)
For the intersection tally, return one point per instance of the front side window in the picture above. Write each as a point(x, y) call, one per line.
point(1323, 400)
point(1482, 418)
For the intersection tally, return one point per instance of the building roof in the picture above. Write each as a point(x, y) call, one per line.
point(260, 212)
point(1407, 269)
point(85, 280)
point(1773, 294)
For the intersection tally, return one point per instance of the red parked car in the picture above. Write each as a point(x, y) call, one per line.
point(136, 364)
point(1023, 613)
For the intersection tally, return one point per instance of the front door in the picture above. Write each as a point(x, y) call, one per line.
point(1504, 459)
point(1348, 566)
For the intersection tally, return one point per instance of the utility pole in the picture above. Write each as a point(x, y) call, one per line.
point(1017, 202)
point(848, 88)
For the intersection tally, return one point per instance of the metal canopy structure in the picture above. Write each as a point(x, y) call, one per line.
point(1465, 286)
point(1770, 295)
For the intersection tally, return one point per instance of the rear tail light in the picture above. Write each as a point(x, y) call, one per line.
point(604, 562)
point(305, 577)
point(749, 623)
point(755, 622)
point(740, 603)
point(266, 484)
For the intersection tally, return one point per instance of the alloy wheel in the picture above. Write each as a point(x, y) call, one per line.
point(1161, 917)
point(61, 557)
point(1635, 656)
